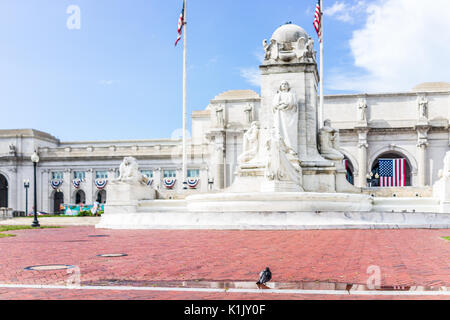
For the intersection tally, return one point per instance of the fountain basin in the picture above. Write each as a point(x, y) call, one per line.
point(279, 202)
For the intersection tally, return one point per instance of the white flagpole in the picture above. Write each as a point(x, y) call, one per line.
point(184, 101)
point(321, 69)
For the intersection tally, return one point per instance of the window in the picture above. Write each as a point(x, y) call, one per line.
point(57, 175)
point(79, 175)
point(170, 174)
point(101, 175)
point(80, 197)
point(193, 173)
point(101, 196)
point(147, 173)
point(407, 174)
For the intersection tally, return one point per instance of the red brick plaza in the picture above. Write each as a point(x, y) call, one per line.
point(405, 258)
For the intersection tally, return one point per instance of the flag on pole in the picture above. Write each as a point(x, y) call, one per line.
point(392, 172)
point(180, 24)
point(318, 20)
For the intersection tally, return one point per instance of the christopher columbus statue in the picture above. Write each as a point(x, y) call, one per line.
point(286, 117)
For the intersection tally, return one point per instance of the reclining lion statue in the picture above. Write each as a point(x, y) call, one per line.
point(129, 171)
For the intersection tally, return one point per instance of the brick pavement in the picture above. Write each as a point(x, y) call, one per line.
point(406, 257)
point(55, 294)
point(53, 221)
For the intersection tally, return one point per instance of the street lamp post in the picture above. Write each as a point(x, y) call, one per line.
point(210, 183)
point(369, 179)
point(26, 185)
point(35, 160)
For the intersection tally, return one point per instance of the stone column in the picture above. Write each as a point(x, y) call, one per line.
point(13, 188)
point(362, 157)
point(90, 189)
point(217, 155)
point(111, 177)
point(219, 165)
point(422, 154)
point(67, 186)
point(46, 191)
point(204, 179)
point(422, 144)
point(157, 179)
point(179, 184)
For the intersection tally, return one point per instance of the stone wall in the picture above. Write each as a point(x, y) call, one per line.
point(407, 192)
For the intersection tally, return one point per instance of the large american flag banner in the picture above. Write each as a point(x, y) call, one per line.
point(318, 20)
point(180, 24)
point(392, 172)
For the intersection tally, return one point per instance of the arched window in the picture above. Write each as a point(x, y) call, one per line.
point(58, 200)
point(348, 165)
point(101, 196)
point(3, 192)
point(391, 155)
point(80, 197)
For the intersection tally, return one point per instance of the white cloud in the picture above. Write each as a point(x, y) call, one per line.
point(338, 7)
point(403, 43)
point(252, 76)
point(344, 11)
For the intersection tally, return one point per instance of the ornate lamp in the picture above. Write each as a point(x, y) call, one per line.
point(26, 185)
point(35, 160)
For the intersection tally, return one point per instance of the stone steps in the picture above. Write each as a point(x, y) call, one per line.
point(162, 206)
point(171, 219)
point(395, 204)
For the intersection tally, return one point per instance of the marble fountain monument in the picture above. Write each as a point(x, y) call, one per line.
point(290, 175)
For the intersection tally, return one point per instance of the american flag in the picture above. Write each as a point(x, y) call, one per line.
point(392, 172)
point(318, 20)
point(180, 24)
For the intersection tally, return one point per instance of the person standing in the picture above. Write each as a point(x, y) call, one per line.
point(94, 209)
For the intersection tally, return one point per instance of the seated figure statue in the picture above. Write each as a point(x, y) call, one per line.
point(250, 144)
point(445, 172)
point(129, 171)
point(329, 142)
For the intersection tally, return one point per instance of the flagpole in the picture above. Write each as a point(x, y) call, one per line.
point(321, 69)
point(184, 100)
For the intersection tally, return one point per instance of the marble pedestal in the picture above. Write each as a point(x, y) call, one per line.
point(124, 196)
point(441, 191)
point(279, 202)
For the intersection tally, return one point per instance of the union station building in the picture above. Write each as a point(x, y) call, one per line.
point(410, 125)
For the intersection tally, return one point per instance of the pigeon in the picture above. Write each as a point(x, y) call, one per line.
point(264, 276)
point(348, 288)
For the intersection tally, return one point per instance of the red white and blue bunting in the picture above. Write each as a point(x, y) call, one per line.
point(76, 183)
point(56, 183)
point(101, 183)
point(169, 183)
point(193, 182)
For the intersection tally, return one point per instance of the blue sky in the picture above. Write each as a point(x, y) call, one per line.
point(120, 77)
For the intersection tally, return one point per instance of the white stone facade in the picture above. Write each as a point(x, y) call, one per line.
point(394, 124)
point(88, 157)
